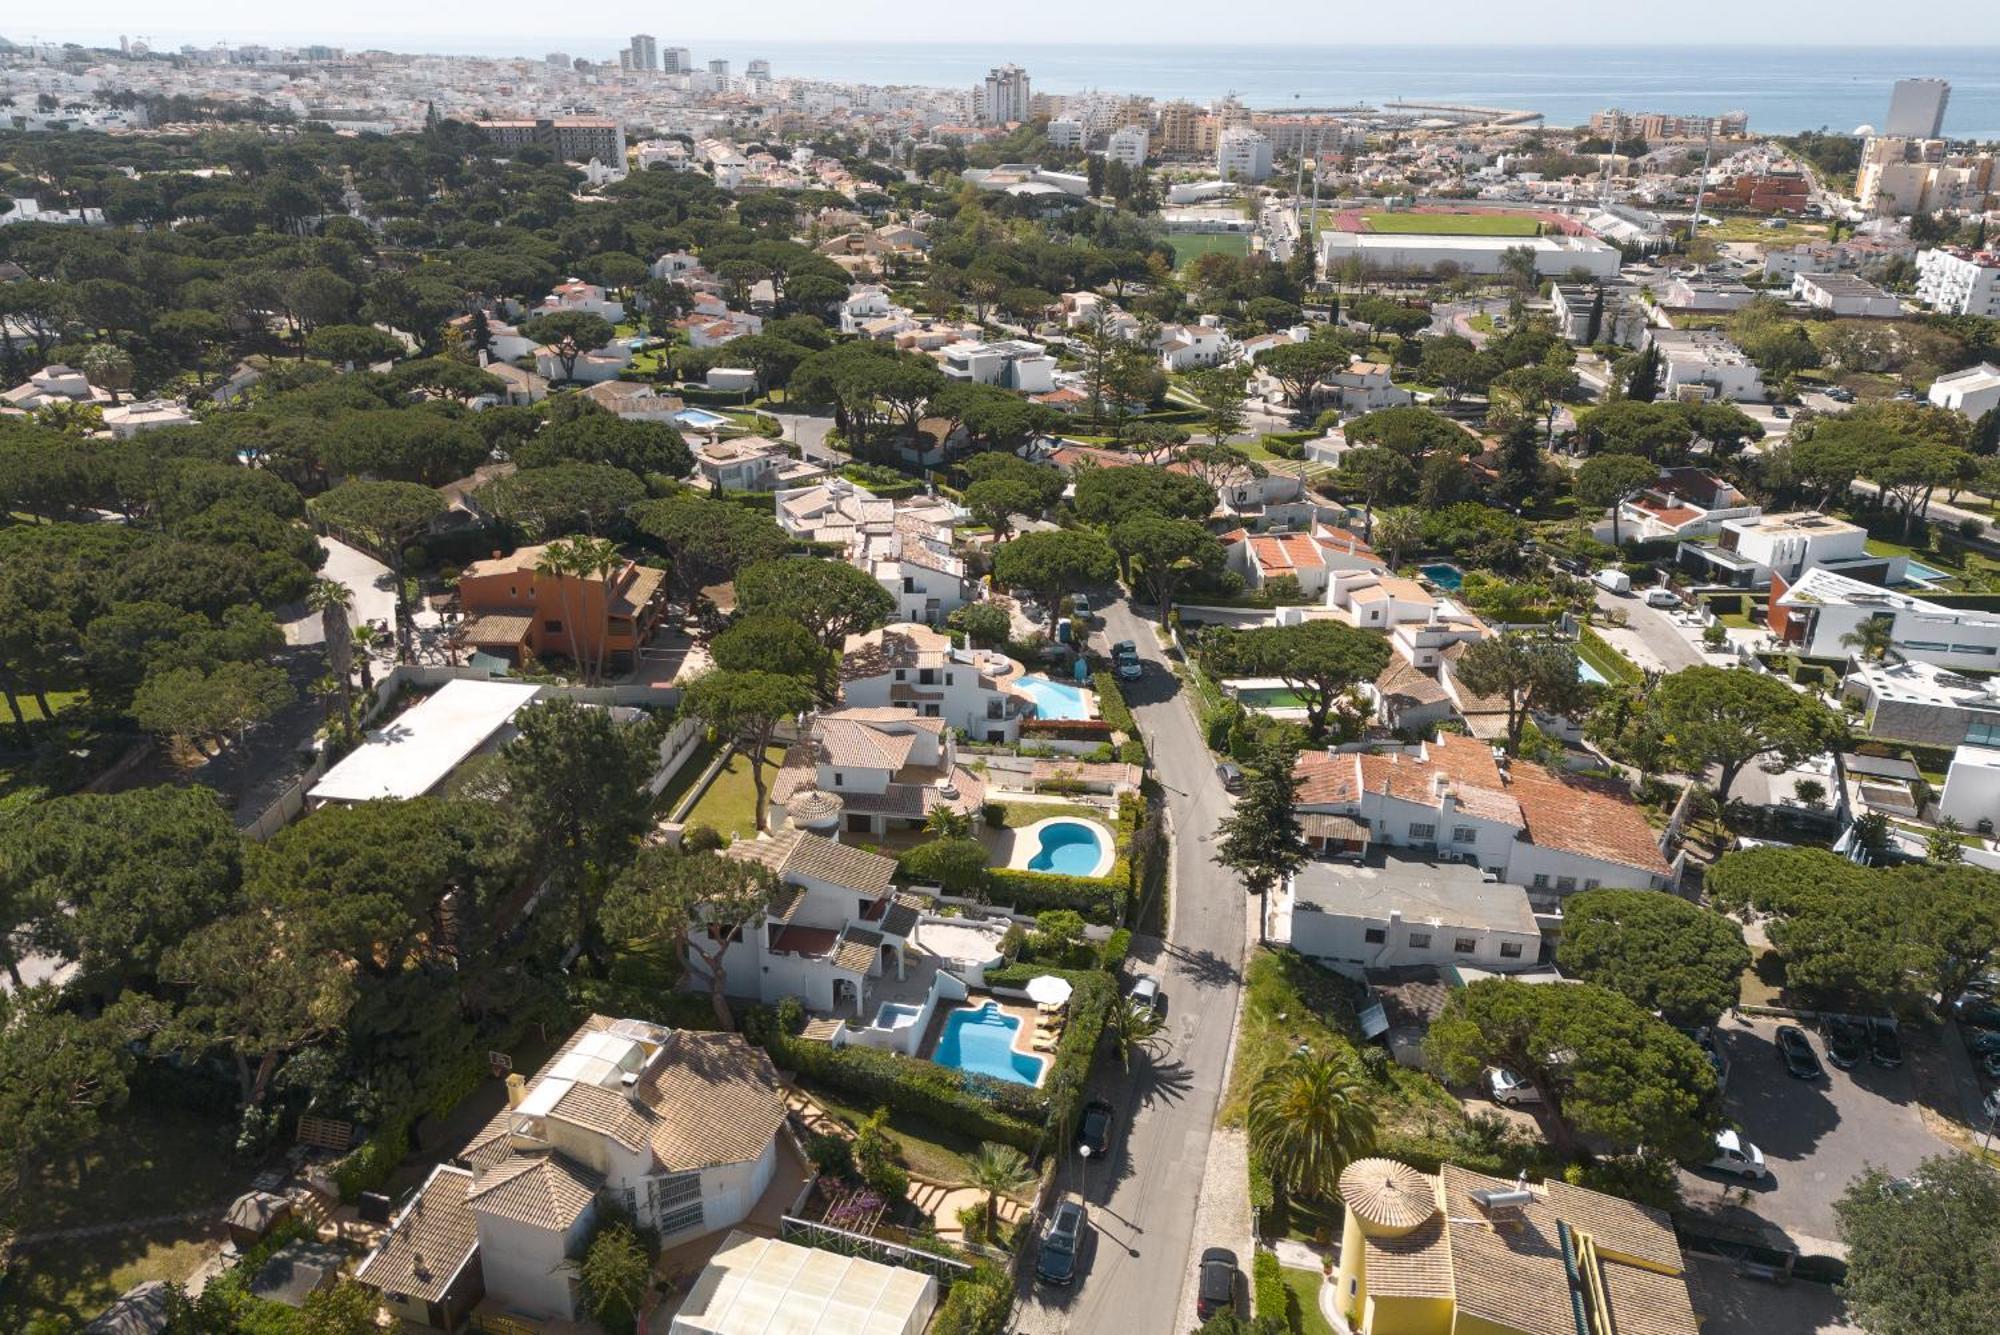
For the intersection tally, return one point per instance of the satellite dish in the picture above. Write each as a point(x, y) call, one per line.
point(1864, 132)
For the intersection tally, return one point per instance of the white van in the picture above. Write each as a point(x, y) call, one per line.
point(1612, 581)
point(1662, 598)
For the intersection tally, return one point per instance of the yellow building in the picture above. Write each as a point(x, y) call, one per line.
point(1466, 1254)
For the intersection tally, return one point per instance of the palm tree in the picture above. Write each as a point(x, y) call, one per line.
point(997, 1170)
point(1398, 530)
point(366, 639)
point(108, 366)
point(1307, 1122)
point(948, 823)
point(331, 599)
point(571, 562)
point(1873, 638)
point(1132, 1022)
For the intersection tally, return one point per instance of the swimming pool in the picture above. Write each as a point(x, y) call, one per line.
point(1918, 570)
point(1444, 576)
point(981, 1040)
point(1069, 847)
point(896, 1015)
point(700, 419)
point(1269, 697)
point(1586, 673)
point(1055, 699)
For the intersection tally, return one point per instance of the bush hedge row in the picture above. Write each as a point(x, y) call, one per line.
point(976, 1105)
point(1268, 1286)
point(1100, 899)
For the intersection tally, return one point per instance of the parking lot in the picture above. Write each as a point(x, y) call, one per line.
point(1816, 1135)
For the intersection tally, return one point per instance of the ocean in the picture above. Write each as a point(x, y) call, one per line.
point(1784, 89)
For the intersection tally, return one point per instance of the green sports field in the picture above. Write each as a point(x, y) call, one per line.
point(1452, 224)
point(1188, 245)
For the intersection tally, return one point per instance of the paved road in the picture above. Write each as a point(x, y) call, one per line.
point(809, 432)
point(1142, 1202)
point(1649, 638)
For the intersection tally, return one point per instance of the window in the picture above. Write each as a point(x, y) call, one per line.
point(909, 585)
point(1938, 646)
point(1374, 936)
point(1465, 945)
point(947, 678)
point(1420, 940)
point(552, 627)
point(1419, 830)
point(1464, 834)
point(1591, 883)
point(1541, 880)
point(837, 777)
point(676, 1202)
point(902, 674)
point(1983, 734)
point(1565, 884)
point(1974, 649)
point(1510, 950)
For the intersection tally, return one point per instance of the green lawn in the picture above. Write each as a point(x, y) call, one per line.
point(58, 702)
point(162, 1162)
point(1304, 1285)
point(1452, 224)
point(1188, 245)
point(1613, 666)
point(1751, 228)
point(730, 804)
point(929, 1149)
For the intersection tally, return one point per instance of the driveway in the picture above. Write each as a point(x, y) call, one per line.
point(1141, 1200)
point(1649, 636)
point(1816, 1135)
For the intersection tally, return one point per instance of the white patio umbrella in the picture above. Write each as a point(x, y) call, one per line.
point(1049, 990)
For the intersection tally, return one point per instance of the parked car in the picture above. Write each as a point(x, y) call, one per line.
point(1781, 412)
point(1984, 1044)
point(1510, 1089)
point(1125, 661)
point(1887, 1048)
point(1230, 776)
point(1990, 1065)
point(1093, 1129)
point(1124, 649)
point(1215, 1288)
point(1662, 598)
point(1079, 606)
point(1733, 1154)
point(1612, 581)
point(1846, 1043)
point(1146, 992)
point(1796, 1051)
point(1980, 1012)
point(1055, 1261)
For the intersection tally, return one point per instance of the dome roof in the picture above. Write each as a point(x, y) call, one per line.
point(1864, 131)
point(814, 806)
point(1388, 1194)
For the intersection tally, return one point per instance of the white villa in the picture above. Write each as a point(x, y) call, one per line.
point(914, 667)
point(887, 768)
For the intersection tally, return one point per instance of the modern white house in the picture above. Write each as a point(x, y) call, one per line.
point(1527, 825)
point(1972, 788)
point(1749, 552)
point(680, 1130)
point(1906, 700)
point(756, 1283)
point(1975, 391)
point(1394, 911)
point(127, 420)
point(888, 767)
point(913, 667)
point(54, 383)
point(589, 298)
point(1822, 606)
point(1705, 364)
point(418, 749)
point(1186, 346)
point(749, 463)
point(1555, 256)
point(1845, 295)
point(1011, 364)
point(1959, 282)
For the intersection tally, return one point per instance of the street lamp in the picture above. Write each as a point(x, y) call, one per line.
point(1083, 1189)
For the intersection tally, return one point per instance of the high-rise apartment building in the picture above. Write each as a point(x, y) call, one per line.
point(645, 52)
point(571, 138)
point(679, 60)
point(720, 69)
point(757, 69)
point(1242, 154)
point(1005, 96)
point(557, 59)
point(1916, 109)
point(1180, 128)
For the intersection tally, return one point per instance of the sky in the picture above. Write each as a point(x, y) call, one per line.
point(544, 25)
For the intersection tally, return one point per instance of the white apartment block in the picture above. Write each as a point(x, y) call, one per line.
point(1128, 146)
point(1750, 551)
point(1705, 364)
point(1242, 154)
point(914, 667)
point(1960, 282)
point(1003, 99)
point(1845, 296)
point(1916, 108)
point(1011, 364)
point(1066, 133)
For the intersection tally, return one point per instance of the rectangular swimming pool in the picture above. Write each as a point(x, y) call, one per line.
point(700, 419)
point(1054, 699)
point(982, 1041)
point(1918, 570)
point(1443, 575)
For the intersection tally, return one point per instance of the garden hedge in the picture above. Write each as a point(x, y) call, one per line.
point(977, 1105)
point(1089, 1008)
point(1100, 899)
point(1270, 1296)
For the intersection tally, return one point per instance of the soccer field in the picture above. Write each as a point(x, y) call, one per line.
point(1452, 224)
point(1187, 245)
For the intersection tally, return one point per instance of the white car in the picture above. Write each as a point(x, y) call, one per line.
point(1510, 1089)
point(1662, 598)
point(1733, 1154)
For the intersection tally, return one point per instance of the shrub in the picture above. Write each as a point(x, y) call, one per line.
point(702, 839)
point(1111, 955)
point(978, 1304)
point(994, 814)
point(1263, 1192)
point(374, 1162)
point(791, 1016)
point(1269, 1294)
point(1111, 704)
point(976, 1105)
point(830, 1154)
point(1099, 899)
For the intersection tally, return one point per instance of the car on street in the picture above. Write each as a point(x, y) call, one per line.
point(1781, 412)
point(1846, 1043)
point(1146, 992)
point(1125, 661)
point(1055, 1260)
point(1079, 606)
point(1662, 598)
point(1990, 1065)
point(1215, 1288)
point(1733, 1154)
point(1796, 1051)
point(1093, 1129)
point(1510, 1089)
point(1886, 1049)
point(1979, 1012)
point(1981, 1045)
point(1230, 776)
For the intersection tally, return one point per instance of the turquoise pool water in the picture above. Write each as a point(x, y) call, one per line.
point(895, 1014)
point(1054, 699)
point(1444, 576)
point(1071, 847)
point(1585, 672)
point(700, 418)
point(982, 1041)
point(1918, 570)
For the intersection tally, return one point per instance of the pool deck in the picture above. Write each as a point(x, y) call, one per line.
point(1024, 1037)
point(1014, 849)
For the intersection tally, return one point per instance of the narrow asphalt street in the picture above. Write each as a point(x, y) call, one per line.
point(1142, 1202)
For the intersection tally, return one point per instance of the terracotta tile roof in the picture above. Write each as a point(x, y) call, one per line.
point(428, 1243)
point(857, 950)
point(1405, 679)
point(1615, 1224)
point(829, 860)
point(852, 742)
point(1645, 1302)
point(545, 1190)
point(1327, 778)
point(1287, 552)
point(1671, 515)
point(1510, 1274)
point(607, 1112)
point(715, 1100)
point(1415, 1265)
point(1571, 814)
point(489, 1144)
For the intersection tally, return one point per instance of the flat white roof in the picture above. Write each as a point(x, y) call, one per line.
point(414, 751)
point(755, 1286)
